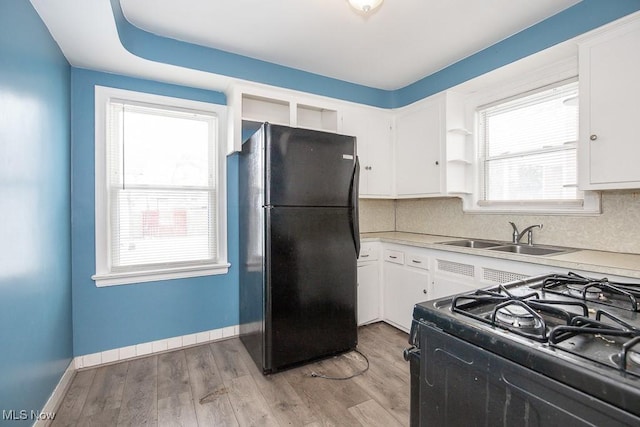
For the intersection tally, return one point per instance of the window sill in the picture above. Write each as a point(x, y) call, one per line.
point(131, 277)
point(589, 207)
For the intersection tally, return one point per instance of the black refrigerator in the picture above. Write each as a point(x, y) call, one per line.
point(299, 243)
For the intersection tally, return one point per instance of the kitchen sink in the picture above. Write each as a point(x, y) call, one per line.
point(470, 243)
point(530, 250)
point(508, 247)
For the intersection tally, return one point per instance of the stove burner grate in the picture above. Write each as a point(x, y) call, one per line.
point(585, 292)
point(522, 315)
point(602, 291)
point(619, 333)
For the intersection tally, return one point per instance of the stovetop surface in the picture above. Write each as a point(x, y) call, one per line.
point(589, 338)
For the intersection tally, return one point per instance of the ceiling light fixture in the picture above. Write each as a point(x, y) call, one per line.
point(365, 6)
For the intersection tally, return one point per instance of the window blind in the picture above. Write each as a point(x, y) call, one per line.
point(528, 146)
point(161, 186)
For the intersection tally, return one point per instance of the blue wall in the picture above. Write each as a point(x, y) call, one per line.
point(35, 242)
point(578, 19)
point(118, 316)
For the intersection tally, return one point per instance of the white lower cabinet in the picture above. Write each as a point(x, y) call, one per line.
point(412, 274)
point(452, 277)
point(404, 286)
point(368, 283)
point(444, 286)
point(368, 292)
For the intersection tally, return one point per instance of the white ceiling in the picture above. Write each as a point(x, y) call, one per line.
point(398, 44)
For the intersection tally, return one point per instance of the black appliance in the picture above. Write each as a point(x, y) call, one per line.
point(299, 243)
point(551, 350)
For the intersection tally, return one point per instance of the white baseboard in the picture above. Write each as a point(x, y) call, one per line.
point(56, 397)
point(124, 353)
point(147, 348)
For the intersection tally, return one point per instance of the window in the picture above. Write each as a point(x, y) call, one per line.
point(528, 150)
point(160, 188)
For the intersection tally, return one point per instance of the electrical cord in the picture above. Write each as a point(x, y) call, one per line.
point(327, 377)
point(208, 397)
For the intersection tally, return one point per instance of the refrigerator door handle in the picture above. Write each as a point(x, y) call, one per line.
point(355, 215)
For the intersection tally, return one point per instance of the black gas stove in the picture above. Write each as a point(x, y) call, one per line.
point(558, 349)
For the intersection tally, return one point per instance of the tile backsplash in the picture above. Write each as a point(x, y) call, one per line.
point(617, 229)
point(377, 215)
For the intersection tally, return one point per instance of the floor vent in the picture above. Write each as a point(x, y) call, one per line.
point(456, 268)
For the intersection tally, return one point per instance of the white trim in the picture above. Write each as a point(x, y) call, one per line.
point(507, 82)
point(103, 276)
point(127, 278)
point(125, 353)
point(153, 347)
point(53, 403)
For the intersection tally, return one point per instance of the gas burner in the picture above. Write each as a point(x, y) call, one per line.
point(601, 291)
point(522, 312)
point(591, 292)
point(633, 357)
point(517, 317)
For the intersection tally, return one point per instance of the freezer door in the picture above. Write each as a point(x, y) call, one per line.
point(311, 285)
point(308, 168)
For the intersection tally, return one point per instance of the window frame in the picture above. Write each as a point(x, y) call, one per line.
point(484, 158)
point(506, 85)
point(105, 276)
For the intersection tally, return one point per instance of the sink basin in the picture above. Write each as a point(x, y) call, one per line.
point(529, 250)
point(470, 243)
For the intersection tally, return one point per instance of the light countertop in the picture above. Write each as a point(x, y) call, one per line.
point(620, 264)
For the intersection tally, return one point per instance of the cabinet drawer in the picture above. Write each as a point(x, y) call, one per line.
point(368, 253)
point(418, 261)
point(394, 256)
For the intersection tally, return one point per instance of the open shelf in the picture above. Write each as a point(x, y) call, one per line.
point(311, 117)
point(259, 109)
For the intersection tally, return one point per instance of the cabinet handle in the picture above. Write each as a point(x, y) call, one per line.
point(437, 163)
point(392, 257)
point(593, 137)
point(424, 291)
point(416, 262)
point(364, 256)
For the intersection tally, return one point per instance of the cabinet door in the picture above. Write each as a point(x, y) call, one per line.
point(403, 288)
point(609, 91)
point(418, 150)
point(444, 286)
point(368, 292)
point(372, 128)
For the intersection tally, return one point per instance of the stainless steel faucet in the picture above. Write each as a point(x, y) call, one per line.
point(517, 235)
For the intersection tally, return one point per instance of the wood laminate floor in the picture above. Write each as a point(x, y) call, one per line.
point(166, 389)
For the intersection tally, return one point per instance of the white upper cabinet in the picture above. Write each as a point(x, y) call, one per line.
point(609, 147)
point(418, 149)
point(372, 128)
point(431, 148)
